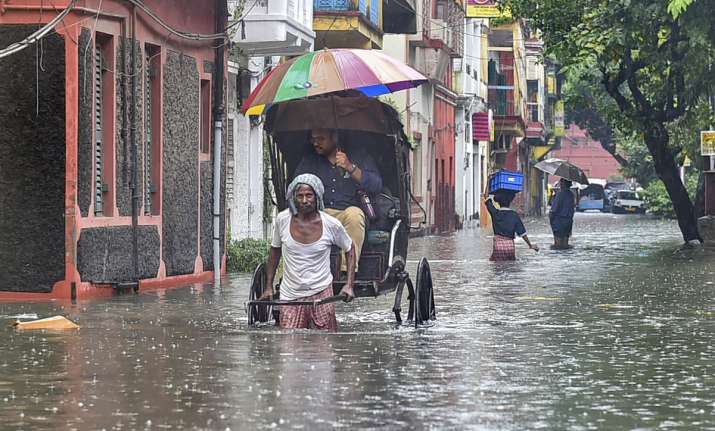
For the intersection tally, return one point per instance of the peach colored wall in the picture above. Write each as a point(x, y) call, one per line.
point(194, 16)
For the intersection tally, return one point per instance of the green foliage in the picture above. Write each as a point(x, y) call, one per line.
point(657, 199)
point(677, 7)
point(653, 59)
point(640, 162)
point(245, 255)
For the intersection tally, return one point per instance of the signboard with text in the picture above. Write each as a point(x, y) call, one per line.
point(707, 143)
point(559, 127)
point(484, 9)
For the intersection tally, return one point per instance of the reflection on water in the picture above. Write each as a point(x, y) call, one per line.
point(614, 334)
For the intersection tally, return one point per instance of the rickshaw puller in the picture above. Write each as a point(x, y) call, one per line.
point(303, 235)
point(342, 176)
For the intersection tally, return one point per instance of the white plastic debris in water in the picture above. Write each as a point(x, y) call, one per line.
point(56, 322)
point(21, 316)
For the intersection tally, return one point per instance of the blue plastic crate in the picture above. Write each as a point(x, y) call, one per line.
point(506, 180)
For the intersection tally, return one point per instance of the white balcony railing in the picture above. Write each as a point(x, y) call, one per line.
point(274, 27)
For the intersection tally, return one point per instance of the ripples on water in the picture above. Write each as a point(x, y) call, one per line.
point(614, 334)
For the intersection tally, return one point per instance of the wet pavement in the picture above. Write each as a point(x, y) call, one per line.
point(614, 334)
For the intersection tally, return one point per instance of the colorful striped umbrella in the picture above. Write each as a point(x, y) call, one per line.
point(329, 70)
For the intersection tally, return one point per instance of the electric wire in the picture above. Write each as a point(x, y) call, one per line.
point(37, 35)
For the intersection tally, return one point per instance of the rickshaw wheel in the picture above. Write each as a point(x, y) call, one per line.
point(424, 309)
point(258, 313)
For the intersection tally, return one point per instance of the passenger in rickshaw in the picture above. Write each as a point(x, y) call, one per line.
point(303, 236)
point(344, 177)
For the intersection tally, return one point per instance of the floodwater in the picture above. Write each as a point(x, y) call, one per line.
point(614, 334)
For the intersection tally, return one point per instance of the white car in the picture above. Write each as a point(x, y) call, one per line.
point(627, 201)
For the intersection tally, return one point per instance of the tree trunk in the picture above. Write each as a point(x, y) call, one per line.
point(656, 138)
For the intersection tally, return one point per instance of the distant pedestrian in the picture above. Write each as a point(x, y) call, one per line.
point(507, 224)
point(563, 207)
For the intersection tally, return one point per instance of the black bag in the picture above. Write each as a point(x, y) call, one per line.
point(388, 211)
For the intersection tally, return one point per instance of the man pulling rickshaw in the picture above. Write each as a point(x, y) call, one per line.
point(303, 235)
point(305, 105)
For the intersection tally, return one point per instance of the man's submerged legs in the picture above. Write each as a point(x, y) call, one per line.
point(308, 316)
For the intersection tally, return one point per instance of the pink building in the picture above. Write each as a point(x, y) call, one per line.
point(578, 148)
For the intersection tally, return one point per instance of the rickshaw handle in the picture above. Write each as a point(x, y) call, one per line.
point(327, 300)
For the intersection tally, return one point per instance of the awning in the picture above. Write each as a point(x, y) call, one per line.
point(480, 126)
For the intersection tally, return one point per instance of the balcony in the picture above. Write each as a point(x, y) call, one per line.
point(348, 24)
point(441, 30)
point(508, 114)
point(275, 27)
point(399, 17)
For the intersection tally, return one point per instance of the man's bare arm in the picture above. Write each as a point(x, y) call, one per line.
point(348, 289)
point(274, 257)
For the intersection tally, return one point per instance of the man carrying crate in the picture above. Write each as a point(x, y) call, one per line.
point(505, 221)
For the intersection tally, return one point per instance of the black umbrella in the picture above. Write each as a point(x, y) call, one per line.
point(563, 169)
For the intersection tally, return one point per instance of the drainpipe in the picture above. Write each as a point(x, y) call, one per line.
point(218, 135)
point(135, 151)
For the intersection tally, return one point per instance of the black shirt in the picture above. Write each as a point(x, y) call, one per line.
point(340, 188)
point(506, 221)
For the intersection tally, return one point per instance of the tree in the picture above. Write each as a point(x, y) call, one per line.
point(652, 58)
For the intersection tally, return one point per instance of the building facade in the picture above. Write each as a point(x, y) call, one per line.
point(106, 158)
point(472, 114)
point(580, 149)
point(430, 110)
point(272, 30)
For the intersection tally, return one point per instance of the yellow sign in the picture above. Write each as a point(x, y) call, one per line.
point(551, 84)
point(559, 127)
point(707, 143)
point(485, 9)
point(540, 151)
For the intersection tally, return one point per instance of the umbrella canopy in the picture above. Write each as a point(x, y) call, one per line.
point(371, 72)
point(563, 169)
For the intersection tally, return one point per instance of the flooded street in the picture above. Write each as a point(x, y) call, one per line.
point(617, 333)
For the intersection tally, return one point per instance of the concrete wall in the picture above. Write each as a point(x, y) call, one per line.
point(180, 164)
point(32, 164)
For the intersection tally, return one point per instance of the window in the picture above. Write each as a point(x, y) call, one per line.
point(503, 143)
point(417, 166)
point(152, 94)
point(103, 83)
point(532, 99)
point(440, 10)
point(205, 116)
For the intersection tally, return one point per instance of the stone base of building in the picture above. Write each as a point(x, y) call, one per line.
point(706, 226)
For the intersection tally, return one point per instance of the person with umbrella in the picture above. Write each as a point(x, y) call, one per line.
point(561, 214)
point(563, 205)
point(344, 176)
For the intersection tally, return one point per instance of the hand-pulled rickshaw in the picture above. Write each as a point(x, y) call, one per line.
point(376, 127)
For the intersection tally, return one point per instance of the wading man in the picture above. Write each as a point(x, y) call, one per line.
point(563, 207)
point(303, 235)
point(343, 175)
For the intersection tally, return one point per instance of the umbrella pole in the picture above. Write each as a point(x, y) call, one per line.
point(335, 122)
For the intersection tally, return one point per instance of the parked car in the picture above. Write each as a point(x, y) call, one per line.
point(627, 201)
point(592, 197)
